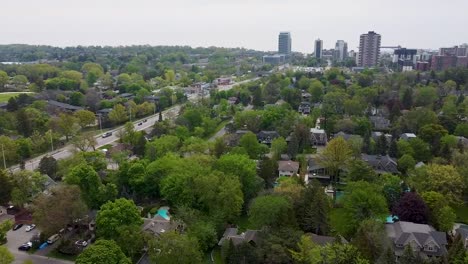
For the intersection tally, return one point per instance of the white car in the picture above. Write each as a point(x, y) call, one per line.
point(30, 227)
point(81, 243)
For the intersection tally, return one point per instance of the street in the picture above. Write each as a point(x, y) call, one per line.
point(170, 113)
point(67, 151)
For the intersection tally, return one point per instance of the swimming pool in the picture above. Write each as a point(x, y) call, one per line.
point(164, 213)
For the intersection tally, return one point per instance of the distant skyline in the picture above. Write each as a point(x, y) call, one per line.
point(253, 24)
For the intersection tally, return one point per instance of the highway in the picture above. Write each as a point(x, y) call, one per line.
point(170, 113)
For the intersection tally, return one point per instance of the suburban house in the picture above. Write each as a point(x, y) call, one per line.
point(463, 232)
point(345, 136)
point(380, 122)
point(55, 106)
point(266, 137)
point(316, 171)
point(249, 236)
point(423, 239)
point(233, 100)
point(223, 81)
point(318, 137)
point(407, 136)
point(324, 240)
point(381, 164)
point(161, 222)
point(288, 168)
point(304, 108)
point(375, 135)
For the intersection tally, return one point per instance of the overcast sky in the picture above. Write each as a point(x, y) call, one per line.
point(233, 23)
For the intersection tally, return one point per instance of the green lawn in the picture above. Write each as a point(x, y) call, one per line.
point(4, 97)
point(462, 213)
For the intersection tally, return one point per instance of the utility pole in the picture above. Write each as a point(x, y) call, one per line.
point(100, 123)
point(4, 160)
point(130, 108)
point(51, 141)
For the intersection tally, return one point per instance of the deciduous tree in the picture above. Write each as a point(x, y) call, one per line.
point(60, 207)
point(175, 248)
point(103, 251)
point(116, 215)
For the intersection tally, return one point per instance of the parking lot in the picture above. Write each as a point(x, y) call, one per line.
point(19, 237)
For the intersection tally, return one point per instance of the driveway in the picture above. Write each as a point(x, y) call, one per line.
point(20, 236)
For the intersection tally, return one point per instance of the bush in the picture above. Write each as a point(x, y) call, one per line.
point(68, 247)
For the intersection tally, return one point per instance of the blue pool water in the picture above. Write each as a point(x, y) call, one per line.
point(163, 212)
point(391, 218)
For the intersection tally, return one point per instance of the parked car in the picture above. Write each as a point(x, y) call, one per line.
point(30, 227)
point(26, 246)
point(140, 123)
point(144, 120)
point(107, 134)
point(17, 226)
point(52, 239)
point(81, 243)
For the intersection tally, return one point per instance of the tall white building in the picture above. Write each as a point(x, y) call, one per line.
point(369, 49)
point(341, 50)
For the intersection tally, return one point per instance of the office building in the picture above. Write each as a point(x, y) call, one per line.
point(318, 50)
point(405, 59)
point(341, 50)
point(275, 59)
point(369, 49)
point(284, 43)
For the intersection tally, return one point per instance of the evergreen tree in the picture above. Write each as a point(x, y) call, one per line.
point(268, 171)
point(457, 252)
point(313, 209)
point(388, 257)
point(407, 99)
point(409, 256)
point(257, 100)
point(293, 146)
point(393, 149)
point(381, 145)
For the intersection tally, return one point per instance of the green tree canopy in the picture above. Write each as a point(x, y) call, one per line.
point(270, 210)
point(103, 251)
point(116, 215)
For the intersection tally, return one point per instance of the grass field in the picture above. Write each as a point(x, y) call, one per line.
point(5, 97)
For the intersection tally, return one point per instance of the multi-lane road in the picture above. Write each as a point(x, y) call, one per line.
point(68, 150)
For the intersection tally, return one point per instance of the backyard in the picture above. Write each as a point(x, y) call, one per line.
point(4, 97)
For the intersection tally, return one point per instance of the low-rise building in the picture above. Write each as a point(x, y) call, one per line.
point(318, 137)
point(55, 106)
point(380, 122)
point(231, 234)
point(161, 222)
point(288, 168)
point(266, 137)
point(423, 239)
point(381, 164)
point(407, 136)
point(316, 171)
point(304, 108)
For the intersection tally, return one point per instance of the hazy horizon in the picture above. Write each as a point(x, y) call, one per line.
point(222, 23)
